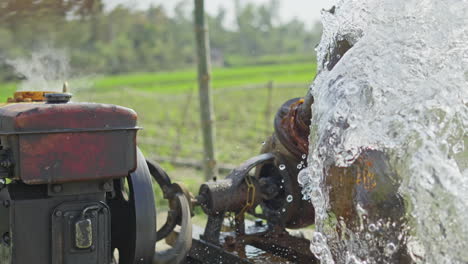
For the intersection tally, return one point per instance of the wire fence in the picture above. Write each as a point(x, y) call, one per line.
point(171, 122)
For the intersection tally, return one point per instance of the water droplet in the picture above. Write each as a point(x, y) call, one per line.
point(390, 249)
point(318, 239)
point(458, 147)
point(303, 177)
point(299, 166)
point(316, 192)
point(284, 210)
point(289, 198)
point(304, 156)
point(282, 166)
point(372, 228)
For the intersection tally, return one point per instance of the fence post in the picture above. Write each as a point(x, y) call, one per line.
point(205, 96)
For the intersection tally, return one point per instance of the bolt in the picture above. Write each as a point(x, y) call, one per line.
point(107, 186)
point(6, 203)
point(5, 163)
point(57, 188)
point(6, 238)
point(58, 213)
point(230, 241)
point(201, 199)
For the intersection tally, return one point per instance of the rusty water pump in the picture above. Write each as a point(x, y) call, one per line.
point(273, 187)
point(266, 187)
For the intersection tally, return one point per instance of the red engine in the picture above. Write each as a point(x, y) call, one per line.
point(73, 187)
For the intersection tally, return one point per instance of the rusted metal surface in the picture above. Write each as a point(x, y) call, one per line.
point(296, 129)
point(66, 157)
point(171, 192)
point(369, 182)
point(258, 245)
point(294, 249)
point(289, 145)
point(275, 190)
point(369, 185)
point(292, 126)
point(207, 253)
point(58, 143)
point(286, 208)
point(233, 193)
point(39, 117)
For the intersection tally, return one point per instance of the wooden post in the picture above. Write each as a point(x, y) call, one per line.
point(206, 99)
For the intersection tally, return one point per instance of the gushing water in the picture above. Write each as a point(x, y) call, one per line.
point(393, 77)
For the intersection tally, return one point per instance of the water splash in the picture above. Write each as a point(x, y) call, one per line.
point(44, 70)
point(393, 76)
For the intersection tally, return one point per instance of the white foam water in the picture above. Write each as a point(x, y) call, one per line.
point(402, 88)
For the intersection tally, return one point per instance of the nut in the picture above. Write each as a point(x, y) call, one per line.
point(57, 188)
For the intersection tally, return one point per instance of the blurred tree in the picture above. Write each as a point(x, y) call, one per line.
point(128, 40)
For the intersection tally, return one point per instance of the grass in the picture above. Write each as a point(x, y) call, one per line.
point(183, 81)
point(7, 90)
point(169, 82)
point(234, 60)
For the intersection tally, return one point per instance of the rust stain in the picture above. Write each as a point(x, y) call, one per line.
point(296, 128)
point(364, 176)
point(64, 157)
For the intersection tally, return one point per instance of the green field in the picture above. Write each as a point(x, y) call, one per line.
point(182, 81)
point(167, 106)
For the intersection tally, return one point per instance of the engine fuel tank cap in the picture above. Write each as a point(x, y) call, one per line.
point(58, 98)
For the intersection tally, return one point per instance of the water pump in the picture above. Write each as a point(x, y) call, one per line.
point(267, 187)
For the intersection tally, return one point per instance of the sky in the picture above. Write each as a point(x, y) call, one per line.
point(307, 11)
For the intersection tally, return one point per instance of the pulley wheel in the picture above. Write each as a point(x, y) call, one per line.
point(134, 216)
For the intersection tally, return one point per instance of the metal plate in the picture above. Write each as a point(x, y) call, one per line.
point(64, 220)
